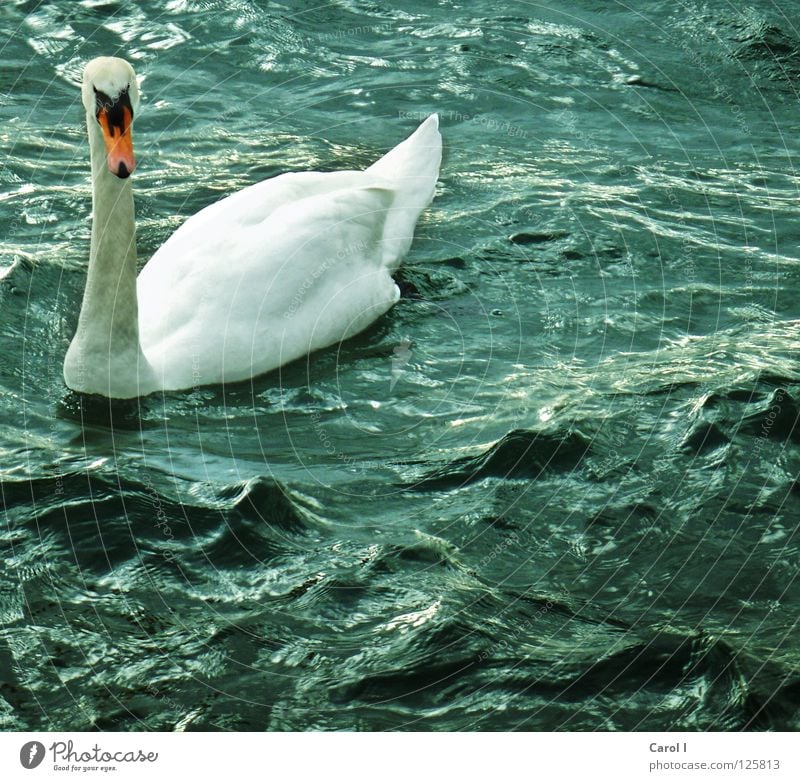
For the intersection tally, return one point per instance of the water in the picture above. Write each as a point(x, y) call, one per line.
point(556, 487)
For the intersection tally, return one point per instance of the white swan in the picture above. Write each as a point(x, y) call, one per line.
point(260, 278)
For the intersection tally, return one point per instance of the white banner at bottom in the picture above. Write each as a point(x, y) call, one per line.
point(418, 756)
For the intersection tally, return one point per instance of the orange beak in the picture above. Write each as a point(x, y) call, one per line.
point(119, 143)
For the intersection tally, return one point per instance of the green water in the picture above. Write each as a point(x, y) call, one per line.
point(556, 487)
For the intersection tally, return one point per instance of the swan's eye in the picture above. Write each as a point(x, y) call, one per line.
point(101, 100)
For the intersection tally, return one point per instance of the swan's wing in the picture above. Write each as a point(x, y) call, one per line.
point(248, 208)
point(411, 169)
point(242, 299)
point(284, 267)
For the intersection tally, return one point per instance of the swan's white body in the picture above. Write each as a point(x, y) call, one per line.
point(260, 278)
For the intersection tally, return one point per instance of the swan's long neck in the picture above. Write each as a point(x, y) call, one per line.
point(105, 356)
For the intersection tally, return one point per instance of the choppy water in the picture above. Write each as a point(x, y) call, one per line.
point(555, 488)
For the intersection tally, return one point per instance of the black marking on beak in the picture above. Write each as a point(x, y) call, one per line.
point(113, 109)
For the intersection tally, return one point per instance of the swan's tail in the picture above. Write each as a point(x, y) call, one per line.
point(411, 170)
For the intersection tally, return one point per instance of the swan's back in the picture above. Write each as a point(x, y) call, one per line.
point(284, 267)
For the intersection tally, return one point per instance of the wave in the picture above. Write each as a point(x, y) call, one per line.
point(519, 455)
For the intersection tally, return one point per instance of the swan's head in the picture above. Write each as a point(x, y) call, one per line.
point(111, 98)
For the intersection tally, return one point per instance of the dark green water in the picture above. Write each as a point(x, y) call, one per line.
point(556, 487)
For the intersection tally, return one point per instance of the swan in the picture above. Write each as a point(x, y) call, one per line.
point(262, 277)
